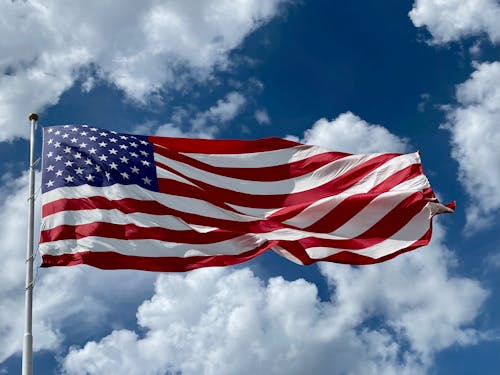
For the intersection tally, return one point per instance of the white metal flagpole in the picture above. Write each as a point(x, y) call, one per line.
point(28, 290)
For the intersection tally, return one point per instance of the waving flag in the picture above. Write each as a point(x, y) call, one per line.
point(115, 200)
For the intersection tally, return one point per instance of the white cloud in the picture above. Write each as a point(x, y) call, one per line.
point(450, 20)
point(474, 125)
point(415, 294)
point(76, 294)
point(349, 133)
point(143, 48)
point(186, 123)
point(262, 117)
point(222, 321)
point(206, 124)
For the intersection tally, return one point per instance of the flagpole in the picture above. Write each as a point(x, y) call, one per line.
point(27, 368)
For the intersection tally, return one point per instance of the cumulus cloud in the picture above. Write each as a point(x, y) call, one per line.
point(143, 48)
point(223, 321)
point(76, 294)
point(188, 123)
point(474, 126)
point(415, 294)
point(349, 133)
point(450, 20)
point(206, 124)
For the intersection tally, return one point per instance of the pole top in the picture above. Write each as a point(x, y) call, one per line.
point(33, 116)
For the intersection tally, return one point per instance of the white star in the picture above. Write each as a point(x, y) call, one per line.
point(67, 149)
point(134, 169)
point(57, 132)
point(65, 135)
point(133, 144)
point(83, 144)
point(93, 139)
point(144, 142)
point(113, 165)
point(145, 162)
point(58, 158)
point(103, 158)
point(57, 144)
point(103, 144)
point(79, 170)
point(69, 163)
point(92, 150)
point(112, 151)
point(93, 129)
point(50, 183)
point(83, 133)
point(108, 175)
point(123, 159)
point(50, 141)
point(78, 155)
point(74, 129)
point(49, 155)
point(125, 175)
point(146, 180)
point(59, 173)
point(88, 161)
point(90, 177)
point(50, 130)
point(114, 140)
point(103, 134)
point(66, 126)
point(123, 137)
point(112, 131)
point(123, 147)
point(69, 179)
point(97, 168)
point(50, 168)
point(134, 154)
point(143, 153)
point(74, 140)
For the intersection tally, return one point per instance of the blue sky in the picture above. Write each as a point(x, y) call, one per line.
point(351, 76)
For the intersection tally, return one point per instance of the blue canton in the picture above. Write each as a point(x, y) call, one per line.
point(77, 155)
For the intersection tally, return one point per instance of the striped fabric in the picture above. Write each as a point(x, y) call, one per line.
point(115, 200)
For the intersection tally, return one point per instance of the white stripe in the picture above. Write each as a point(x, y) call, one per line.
point(259, 159)
point(117, 192)
point(321, 207)
point(254, 212)
point(151, 248)
point(305, 182)
point(406, 236)
point(162, 173)
point(80, 217)
point(371, 214)
point(415, 184)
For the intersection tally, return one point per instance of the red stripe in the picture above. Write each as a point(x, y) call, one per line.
point(272, 173)
point(133, 232)
point(112, 261)
point(382, 230)
point(352, 205)
point(212, 193)
point(358, 201)
point(222, 146)
point(353, 258)
point(385, 228)
point(128, 206)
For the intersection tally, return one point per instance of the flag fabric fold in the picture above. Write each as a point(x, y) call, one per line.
point(115, 201)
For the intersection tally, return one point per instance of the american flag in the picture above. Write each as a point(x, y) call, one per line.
point(115, 200)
